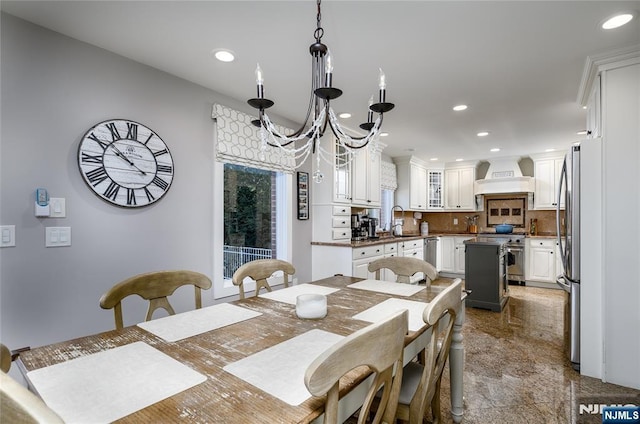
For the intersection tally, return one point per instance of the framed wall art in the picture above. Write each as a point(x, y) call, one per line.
point(303, 195)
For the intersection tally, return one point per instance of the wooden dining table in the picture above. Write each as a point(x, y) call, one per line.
point(224, 398)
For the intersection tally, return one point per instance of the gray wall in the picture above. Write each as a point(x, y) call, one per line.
point(53, 89)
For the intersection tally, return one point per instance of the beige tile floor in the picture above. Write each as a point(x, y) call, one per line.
point(516, 370)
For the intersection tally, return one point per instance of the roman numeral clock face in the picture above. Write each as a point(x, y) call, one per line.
point(125, 163)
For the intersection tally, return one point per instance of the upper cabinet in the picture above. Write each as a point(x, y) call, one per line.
point(435, 189)
point(411, 193)
point(547, 180)
point(365, 172)
point(458, 189)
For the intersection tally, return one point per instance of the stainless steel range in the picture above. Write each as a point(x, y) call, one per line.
point(514, 244)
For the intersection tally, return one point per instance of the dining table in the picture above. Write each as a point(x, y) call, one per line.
point(236, 362)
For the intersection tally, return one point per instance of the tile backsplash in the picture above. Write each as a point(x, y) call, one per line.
point(443, 222)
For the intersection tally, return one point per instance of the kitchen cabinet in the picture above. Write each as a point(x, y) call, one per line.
point(458, 189)
point(453, 254)
point(547, 180)
point(435, 189)
point(413, 249)
point(365, 175)
point(543, 262)
point(411, 193)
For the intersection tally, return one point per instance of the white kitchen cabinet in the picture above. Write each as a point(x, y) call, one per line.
point(362, 256)
point(447, 245)
point(411, 193)
point(365, 175)
point(541, 261)
point(453, 254)
point(458, 189)
point(547, 180)
point(459, 250)
point(435, 189)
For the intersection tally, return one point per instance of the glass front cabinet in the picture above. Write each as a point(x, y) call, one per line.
point(435, 189)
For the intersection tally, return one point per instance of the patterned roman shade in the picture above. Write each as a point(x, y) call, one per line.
point(238, 142)
point(388, 179)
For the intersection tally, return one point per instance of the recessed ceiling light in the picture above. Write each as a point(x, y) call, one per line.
point(617, 21)
point(583, 132)
point(458, 108)
point(433, 159)
point(495, 149)
point(584, 107)
point(224, 55)
point(345, 115)
point(550, 150)
point(459, 160)
point(384, 134)
point(483, 133)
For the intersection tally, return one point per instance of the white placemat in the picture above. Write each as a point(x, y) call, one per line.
point(112, 384)
point(389, 287)
point(384, 309)
point(279, 370)
point(289, 294)
point(198, 321)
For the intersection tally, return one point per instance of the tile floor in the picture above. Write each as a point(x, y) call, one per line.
point(515, 367)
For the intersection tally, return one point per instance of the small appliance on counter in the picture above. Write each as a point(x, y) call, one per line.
point(364, 228)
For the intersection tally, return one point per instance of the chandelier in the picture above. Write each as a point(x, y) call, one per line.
point(320, 115)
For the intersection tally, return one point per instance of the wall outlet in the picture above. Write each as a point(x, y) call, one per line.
point(455, 221)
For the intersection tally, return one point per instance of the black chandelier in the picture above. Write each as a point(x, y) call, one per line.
point(319, 114)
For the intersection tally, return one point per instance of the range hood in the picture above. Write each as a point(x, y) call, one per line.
point(504, 176)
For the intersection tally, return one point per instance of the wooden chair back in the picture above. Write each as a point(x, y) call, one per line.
point(5, 358)
point(154, 287)
point(440, 315)
point(19, 405)
point(259, 270)
point(404, 267)
point(379, 346)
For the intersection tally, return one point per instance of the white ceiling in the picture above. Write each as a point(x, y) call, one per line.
point(517, 64)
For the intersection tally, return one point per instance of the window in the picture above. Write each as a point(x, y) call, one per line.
point(249, 216)
point(386, 203)
point(253, 221)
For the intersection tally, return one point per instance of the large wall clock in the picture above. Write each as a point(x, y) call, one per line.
point(125, 163)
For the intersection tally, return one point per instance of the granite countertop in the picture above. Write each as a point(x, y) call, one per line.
point(408, 237)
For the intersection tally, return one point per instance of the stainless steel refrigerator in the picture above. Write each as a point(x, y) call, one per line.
point(568, 229)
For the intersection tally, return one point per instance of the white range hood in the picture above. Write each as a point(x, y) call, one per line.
point(504, 176)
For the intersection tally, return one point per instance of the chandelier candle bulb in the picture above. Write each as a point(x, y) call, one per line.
point(260, 82)
point(328, 69)
point(382, 84)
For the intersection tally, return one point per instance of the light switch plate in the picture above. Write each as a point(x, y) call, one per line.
point(7, 235)
point(57, 236)
point(57, 206)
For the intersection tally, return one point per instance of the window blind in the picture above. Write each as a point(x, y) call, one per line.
point(388, 178)
point(238, 142)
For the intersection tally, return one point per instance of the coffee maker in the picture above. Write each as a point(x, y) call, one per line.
point(359, 227)
point(373, 228)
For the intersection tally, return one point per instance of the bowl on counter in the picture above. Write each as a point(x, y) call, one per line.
point(504, 229)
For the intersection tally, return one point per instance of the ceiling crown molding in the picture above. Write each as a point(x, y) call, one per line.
point(601, 62)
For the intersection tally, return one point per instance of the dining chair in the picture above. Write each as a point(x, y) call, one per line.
point(154, 287)
point(5, 358)
point(379, 346)
point(421, 382)
point(404, 267)
point(259, 270)
point(19, 405)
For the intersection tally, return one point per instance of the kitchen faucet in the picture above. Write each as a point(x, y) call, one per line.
point(392, 225)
